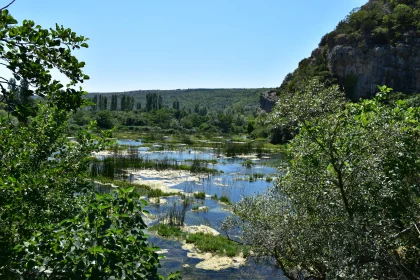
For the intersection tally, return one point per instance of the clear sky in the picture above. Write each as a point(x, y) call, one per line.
point(171, 44)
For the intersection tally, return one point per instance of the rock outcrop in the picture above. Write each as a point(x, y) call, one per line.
point(359, 71)
point(268, 100)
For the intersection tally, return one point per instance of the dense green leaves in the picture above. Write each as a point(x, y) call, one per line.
point(30, 52)
point(52, 222)
point(104, 240)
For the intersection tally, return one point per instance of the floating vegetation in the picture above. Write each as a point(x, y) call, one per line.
point(205, 242)
point(218, 244)
point(206, 161)
point(248, 163)
point(225, 199)
point(200, 195)
point(166, 230)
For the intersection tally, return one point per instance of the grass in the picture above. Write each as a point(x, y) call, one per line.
point(197, 208)
point(225, 199)
point(200, 195)
point(208, 161)
point(248, 163)
point(141, 189)
point(219, 245)
point(167, 231)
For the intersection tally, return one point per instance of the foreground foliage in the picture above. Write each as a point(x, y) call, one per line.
point(349, 204)
point(52, 222)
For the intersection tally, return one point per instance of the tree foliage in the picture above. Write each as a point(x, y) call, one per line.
point(53, 224)
point(348, 205)
point(29, 52)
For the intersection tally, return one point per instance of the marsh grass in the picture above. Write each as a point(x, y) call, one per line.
point(117, 165)
point(167, 230)
point(225, 199)
point(105, 185)
point(219, 244)
point(200, 195)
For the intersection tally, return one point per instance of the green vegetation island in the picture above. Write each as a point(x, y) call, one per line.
point(91, 182)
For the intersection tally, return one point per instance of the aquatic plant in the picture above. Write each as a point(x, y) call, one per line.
point(219, 244)
point(225, 199)
point(200, 195)
point(166, 230)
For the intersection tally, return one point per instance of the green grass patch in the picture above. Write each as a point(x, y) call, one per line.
point(220, 244)
point(225, 199)
point(200, 195)
point(166, 230)
point(208, 161)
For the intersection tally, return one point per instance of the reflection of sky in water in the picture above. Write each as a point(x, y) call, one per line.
point(180, 155)
point(128, 142)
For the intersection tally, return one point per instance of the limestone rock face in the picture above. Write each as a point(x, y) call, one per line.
point(268, 100)
point(360, 70)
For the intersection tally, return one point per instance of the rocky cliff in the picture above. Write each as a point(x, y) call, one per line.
point(268, 100)
point(359, 71)
point(376, 44)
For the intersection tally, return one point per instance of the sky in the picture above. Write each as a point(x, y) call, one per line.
point(179, 44)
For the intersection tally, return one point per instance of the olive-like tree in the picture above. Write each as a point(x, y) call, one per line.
point(348, 204)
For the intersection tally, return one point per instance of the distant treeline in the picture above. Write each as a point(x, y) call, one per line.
point(215, 100)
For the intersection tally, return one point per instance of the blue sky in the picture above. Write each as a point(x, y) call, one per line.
point(170, 44)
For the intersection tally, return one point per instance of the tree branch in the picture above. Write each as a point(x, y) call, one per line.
point(5, 7)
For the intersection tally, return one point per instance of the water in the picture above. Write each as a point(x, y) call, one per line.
point(237, 178)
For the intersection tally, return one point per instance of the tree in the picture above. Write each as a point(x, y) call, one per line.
point(104, 120)
point(94, 106)
point(175, 105)
point(349, 204)
point(153, 101)
point(30, 51)
point(114, 103)
point(53, 224)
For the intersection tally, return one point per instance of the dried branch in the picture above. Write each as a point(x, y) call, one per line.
point(7, 6)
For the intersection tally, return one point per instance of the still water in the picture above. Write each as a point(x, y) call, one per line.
point(239, 176)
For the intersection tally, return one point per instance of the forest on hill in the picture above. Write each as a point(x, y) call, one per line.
point(191, 111)
point(215, 100)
